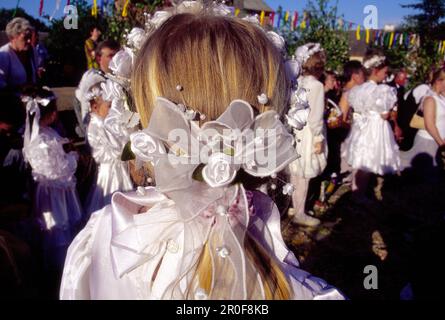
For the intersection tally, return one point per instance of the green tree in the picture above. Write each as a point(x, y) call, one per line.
point(135, 18)
point(66, 46)
point(321, 27)
point(429, 24)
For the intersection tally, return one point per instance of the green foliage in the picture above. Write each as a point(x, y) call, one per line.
point(322, 17)
point(6, 15)
point(429, 23)
point(67, 45)
point(117, 25)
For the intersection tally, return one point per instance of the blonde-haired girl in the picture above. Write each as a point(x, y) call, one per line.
point(204, 236)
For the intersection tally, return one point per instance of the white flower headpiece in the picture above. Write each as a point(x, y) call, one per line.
point(375, 61)
point(303, 53)
point(94, 93)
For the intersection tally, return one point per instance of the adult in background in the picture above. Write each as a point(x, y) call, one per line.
point(17, 65)
point(105, 51)
point(431, 140)
point(90, 47)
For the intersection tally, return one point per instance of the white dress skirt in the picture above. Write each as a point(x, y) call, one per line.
point(113, 174)
point(311, 165)
point(126, 255)
point(56, 201)
point(371, 145)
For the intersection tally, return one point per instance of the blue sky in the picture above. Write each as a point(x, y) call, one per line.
point(390, 11)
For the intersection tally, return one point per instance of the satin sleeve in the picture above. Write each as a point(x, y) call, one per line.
point(316, 103)
point(386, 98)
point(101, 142)
point(75, 279)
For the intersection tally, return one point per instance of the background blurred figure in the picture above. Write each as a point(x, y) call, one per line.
point(406, 111)
point(17, 65)
point(399, 82)
point(90, 47)
point(105, 51)
point(40, 54)
point(431, 139)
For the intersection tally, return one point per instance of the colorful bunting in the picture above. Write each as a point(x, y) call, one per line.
point(262, 16)
point(125, 10)
point(94, 9)
point(295, 24)
point(41, 8)
point(357, 33)
point(272, 18)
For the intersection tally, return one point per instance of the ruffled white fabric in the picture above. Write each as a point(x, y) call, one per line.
point(56, 201)
point(125, 255)
point(113, 174)
point(311, 165)
point(371, 145)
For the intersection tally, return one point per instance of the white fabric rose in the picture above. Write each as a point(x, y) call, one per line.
point(299, 99)
point(277, 40)
point(220, 170)
point(122, 63)
point(222, 10)
point(189, 7)
point(143, 145)
point(160, 17)
point(293, 69)
point(136, 38)
point(252, 19)
point(297, 119)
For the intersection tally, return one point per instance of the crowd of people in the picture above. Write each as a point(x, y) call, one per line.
point(122, 221)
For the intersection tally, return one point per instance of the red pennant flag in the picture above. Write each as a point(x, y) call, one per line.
point(295, 20)
point(41, 8)
point(272, 18)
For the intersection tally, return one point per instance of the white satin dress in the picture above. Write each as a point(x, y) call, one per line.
point(371, 145)
point(113, 174)
point(56, 200)
point(129, 256)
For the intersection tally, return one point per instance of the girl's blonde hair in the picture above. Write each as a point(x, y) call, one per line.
point(215, 60)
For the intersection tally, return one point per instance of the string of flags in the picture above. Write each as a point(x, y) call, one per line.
point(294, 21)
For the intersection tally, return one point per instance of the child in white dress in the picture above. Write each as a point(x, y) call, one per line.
point(56, 202)
point(311, 141)
point(113, 173)
point(371, 147)
point(199, 234)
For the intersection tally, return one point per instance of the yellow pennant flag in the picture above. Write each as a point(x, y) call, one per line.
point(391, 40)
point(237, 12)
point(94, 9)
point(368, 35)
point(357, 34)
point(263, 14)
point(286, 17)
point(125, 10)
